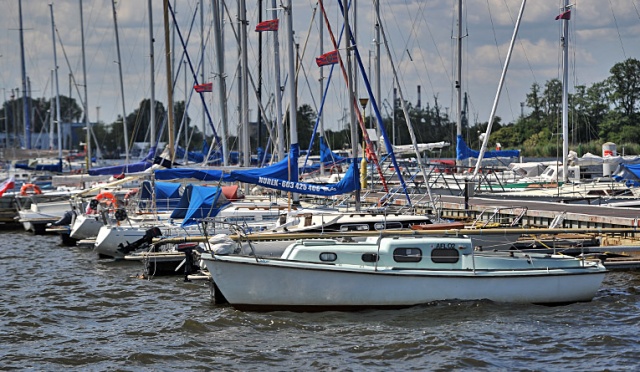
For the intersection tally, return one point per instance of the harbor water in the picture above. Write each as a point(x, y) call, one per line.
point(63, 308)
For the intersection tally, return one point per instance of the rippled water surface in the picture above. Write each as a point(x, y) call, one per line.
point(63, 308)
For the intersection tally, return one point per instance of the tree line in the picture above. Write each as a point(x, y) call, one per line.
point(605, 111)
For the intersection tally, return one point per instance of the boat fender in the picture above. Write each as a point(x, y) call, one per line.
point(222, 244)
point(121, 214)
point(30, 189)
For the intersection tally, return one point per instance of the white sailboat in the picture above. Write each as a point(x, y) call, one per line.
point(395, 272)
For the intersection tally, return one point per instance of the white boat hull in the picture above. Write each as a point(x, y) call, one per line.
point(85, 227)
point(262, 285)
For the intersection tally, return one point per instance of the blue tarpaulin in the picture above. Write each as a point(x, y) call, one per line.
point(280, 176)
point(464, 152)
point(199, 202)
point(209, 175)
point(167, 195)
point(115, 170)
point(629, 174)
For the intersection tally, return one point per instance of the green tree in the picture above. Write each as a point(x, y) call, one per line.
point(624, 84)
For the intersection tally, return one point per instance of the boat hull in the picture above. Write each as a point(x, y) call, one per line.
point(267, 285)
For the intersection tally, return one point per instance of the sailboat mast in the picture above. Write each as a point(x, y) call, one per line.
point(459, 82)
point(222, 90)
point(152, 104)
point(293, 99)
point(55, 74)
point(124, 112)
point(377, 66)
point(168, 53)
point(87, 124)
point(322, 138)
point(565, 94)
point(25, 105)
point(278, 96)
point(244, 107)
point(354, 133)
point(204, 125)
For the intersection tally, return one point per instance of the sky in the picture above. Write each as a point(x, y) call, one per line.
point(421, 35)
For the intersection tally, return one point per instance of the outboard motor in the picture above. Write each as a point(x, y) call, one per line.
point(145, 241)
point(66, 219)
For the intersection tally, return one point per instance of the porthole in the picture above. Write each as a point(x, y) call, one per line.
point(328, 256)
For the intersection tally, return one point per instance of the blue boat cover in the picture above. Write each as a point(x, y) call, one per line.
point(199, 202)
point(279, 176)
point(629, 174)
point(285, 169)
point(211, 175)
point(57, 167)
point(167, 195)
point(328, 156)
point(464, 152)
point(115, 170)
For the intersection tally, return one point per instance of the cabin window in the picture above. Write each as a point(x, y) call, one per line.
point(445, 255)
point(407, 254)
point(328, 256)
point(387, 225)
point(370, 257)
point(354, 227)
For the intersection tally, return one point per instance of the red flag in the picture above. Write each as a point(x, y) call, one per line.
point(271, 25)
point(564, 15)
point(7, 185)
point(329, 58)
point(206, 87)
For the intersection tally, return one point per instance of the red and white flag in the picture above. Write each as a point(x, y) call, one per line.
point(206, 87)
point(564, 15)
point(8, 184)
point(271, 25)
point(329, 58)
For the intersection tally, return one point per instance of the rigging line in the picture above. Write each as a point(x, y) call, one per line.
point(495, 38)
point(398, 58)
point(506, 88)
point(411, 40)
point(524, 50)
point(615, 20)
point(424, 60)
point(263, 113)
point(354, 102)
point(636, 8)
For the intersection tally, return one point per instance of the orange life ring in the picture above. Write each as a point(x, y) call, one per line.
point(30, 189)
point(111, 200)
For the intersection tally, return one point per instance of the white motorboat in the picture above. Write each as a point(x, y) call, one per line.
point(396, 272)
